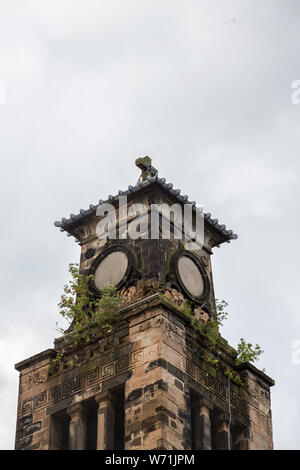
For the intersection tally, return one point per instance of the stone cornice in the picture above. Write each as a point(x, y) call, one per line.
point(247, 366)
point(36, 359)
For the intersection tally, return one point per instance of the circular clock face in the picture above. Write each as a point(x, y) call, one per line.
point(111, 269)
point(190, 276)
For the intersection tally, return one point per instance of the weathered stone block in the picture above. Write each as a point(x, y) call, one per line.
point(31, 428)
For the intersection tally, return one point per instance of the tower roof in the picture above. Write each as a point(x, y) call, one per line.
point(67, 224)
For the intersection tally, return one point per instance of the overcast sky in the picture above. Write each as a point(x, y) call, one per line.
point(204, 88)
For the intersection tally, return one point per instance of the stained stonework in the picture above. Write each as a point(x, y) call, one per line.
point(149, 385)
point(164, 382)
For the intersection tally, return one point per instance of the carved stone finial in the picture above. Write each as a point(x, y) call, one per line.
point(145, 164)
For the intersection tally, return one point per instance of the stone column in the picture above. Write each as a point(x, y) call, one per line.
point(106, 421)
point(202, 424)
point(77, 427)
point(223, 436)
point(243, 439)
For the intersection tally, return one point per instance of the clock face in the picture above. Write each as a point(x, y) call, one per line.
point(111, 270)
point(190, 276)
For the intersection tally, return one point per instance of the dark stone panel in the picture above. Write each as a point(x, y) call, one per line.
point(24, 421)
point(33, 428)
point(162, 385)
point(34, 447)
point(176, 372)
point(19, 434)
point(150, 388)
point(178, 384)
point(157, 363)
point(165, 410)
point(134, 395)
point(183, 414)
point(23, 443)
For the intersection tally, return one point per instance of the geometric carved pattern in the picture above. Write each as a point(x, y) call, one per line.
point(107, 370)
point(26, 407)
point(128, 361)
point(39, 400)
point(137, 357)
point(202, 376)
point(223, 392)
point(93, 376)
point(122, 364)
point(235, 400)
point(191, 369)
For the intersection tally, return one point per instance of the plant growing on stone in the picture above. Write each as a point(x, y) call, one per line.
point(234, 377)
point(106, 314)
point(211, 328)
point(210, 331)
point(54, 365)
point(84, 311)
point(185, 308)
point(247, 352)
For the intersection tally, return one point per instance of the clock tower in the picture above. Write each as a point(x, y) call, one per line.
point(156, 381)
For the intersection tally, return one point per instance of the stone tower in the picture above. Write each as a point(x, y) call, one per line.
point(156, 388)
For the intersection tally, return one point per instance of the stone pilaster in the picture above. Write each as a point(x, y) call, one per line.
point(223, 437)
point(106, 421)
point(202, 424)
point(243, 440)
point(77, 427)
point(258, 384)
point(157, 401)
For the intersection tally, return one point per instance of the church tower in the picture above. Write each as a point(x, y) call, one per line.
point(156, 381)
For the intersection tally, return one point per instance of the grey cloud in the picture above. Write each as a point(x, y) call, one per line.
point(93, 85)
